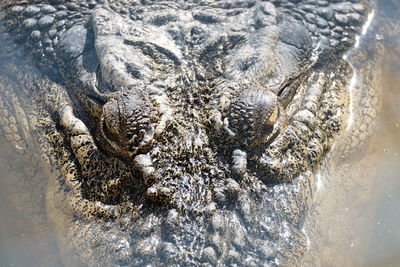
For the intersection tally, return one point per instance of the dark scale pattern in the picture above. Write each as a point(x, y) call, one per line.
point(43, 23)
point(183, 132)
point(331, 23)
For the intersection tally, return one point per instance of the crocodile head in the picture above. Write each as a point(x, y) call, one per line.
point(187, 133)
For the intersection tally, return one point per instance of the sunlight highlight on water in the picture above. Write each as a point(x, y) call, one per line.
point(354, 78)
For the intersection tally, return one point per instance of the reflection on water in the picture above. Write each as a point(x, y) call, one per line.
point(379, 236)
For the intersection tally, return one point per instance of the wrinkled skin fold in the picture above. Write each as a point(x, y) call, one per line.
point(183, 132)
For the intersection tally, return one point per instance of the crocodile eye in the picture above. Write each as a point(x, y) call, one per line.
point(252, 115)
point(128, 123)
point(272, 119)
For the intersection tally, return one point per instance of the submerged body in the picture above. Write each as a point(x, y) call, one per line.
point(186, 133)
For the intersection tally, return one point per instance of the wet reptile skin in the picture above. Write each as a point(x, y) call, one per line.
point(178, 132)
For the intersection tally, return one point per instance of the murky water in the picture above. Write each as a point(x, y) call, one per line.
point(358, 217)
point(373, 236)
point(25, 237)
point(361, 221)
point(382, 238)
point(384, 245)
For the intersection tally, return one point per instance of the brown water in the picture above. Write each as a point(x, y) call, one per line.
point(360, 220)
point(25, 237)
point(384, 246)
point(358, 215)
point(383, 238)
point(373, 234)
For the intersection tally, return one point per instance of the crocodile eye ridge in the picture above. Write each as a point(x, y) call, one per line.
point(252, 116)
point(128, 122)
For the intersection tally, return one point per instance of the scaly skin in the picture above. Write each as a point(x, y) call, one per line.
point(180, 133)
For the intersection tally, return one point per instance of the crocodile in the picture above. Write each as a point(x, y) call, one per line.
point(185, 133)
